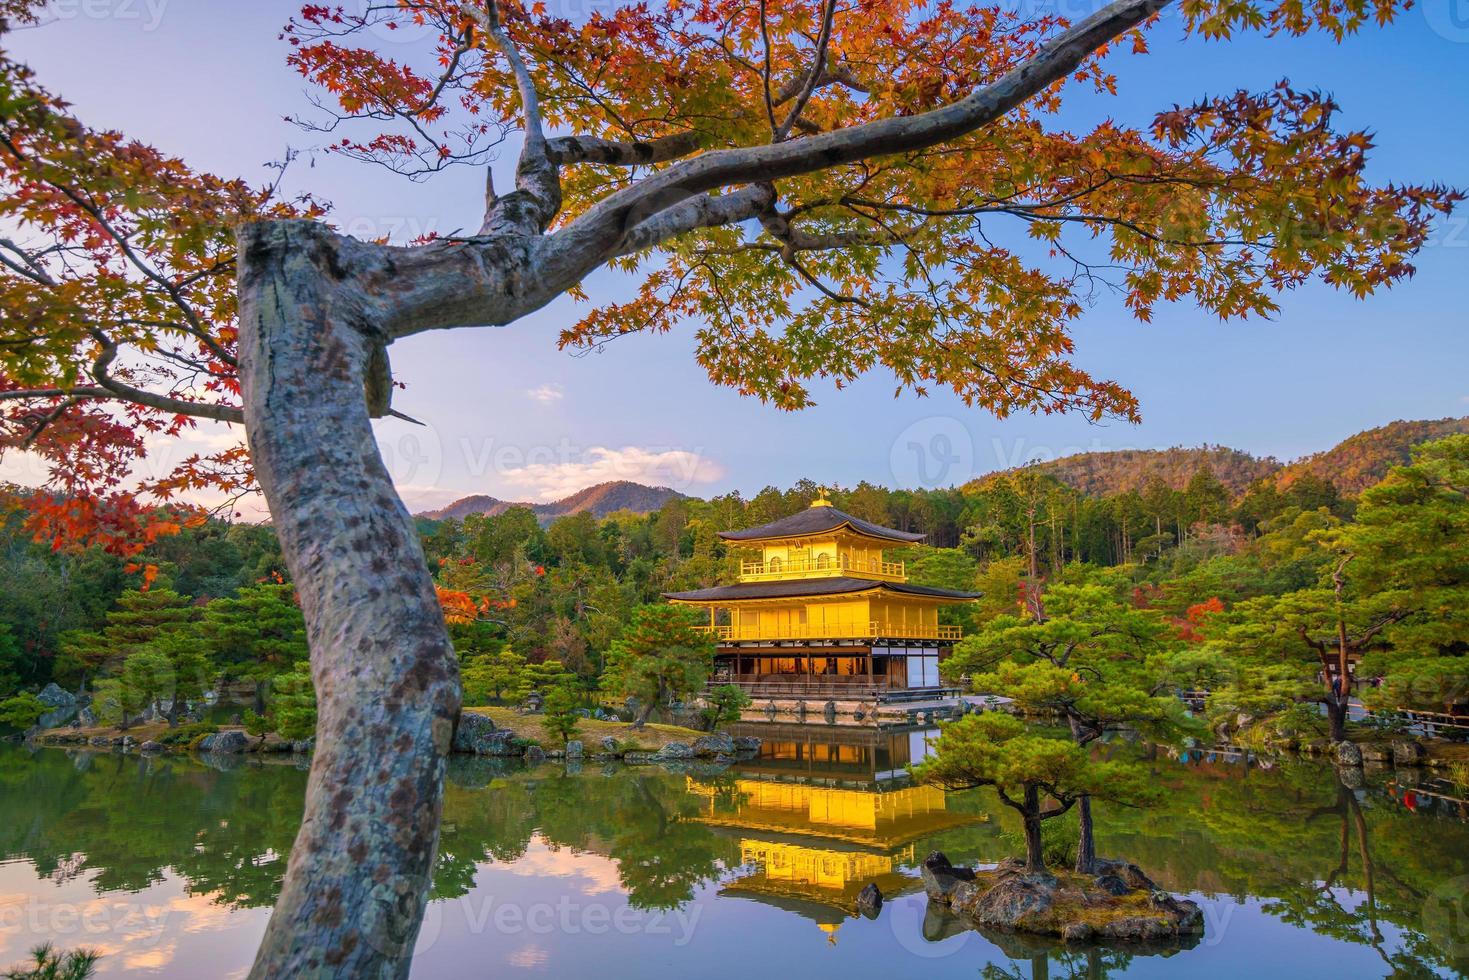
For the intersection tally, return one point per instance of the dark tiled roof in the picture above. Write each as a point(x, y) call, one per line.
point(798, 588)
point(818, 520)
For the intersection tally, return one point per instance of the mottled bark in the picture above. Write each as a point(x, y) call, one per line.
point(1030, 815)
point(1086, 844)
point(386, 681)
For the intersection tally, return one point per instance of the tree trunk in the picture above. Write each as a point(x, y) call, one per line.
point(1086, 845)
point(1035, 851)
point(1336, 715)
point(387, 685)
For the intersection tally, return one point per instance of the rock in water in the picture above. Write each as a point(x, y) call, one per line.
point(225, 743)
point(1407, 752)
point(719, 743)
point(574, 749)
point(869, 900)
point(1347, 754)
point(674, 750)
point(534, 754)
point(475, 735)
point(1118, 901)
point(746, 745)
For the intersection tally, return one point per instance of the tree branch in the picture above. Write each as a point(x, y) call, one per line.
point(565, 150)
point(538, 185)
point(603, 225)
point(818, 71)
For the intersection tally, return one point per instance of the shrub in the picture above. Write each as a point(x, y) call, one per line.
point(187, 734)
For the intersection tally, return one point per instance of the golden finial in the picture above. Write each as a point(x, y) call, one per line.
point(821, 500)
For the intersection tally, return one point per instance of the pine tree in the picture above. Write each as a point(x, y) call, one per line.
point(256, 635)
point(660, 657)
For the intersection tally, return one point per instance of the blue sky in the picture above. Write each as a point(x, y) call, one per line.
point(511, 416)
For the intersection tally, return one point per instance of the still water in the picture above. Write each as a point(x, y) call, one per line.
point(169, 866)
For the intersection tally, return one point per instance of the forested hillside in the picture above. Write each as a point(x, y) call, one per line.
point(1352, 465)
point(1358, 462)
point(1104, 474)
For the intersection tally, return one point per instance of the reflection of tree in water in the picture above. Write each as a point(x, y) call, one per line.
point(1040, 958)
point(1340, 862)
point(641, 819)
point(125, 821)
point(1319, 906)
point(1357, 867)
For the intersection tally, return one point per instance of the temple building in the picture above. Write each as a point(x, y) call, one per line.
point(821, 610)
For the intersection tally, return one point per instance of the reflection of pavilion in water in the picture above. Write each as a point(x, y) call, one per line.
point(821, 814)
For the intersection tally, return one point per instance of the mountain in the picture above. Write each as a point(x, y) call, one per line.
point(601, 500)
point(1353, 465)
point(1358, 462)
point(1103, 474)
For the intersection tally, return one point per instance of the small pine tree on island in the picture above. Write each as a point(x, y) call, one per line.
point(1029, 769)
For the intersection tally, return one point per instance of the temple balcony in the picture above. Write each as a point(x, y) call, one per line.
point(822, 566)
point(873, 630)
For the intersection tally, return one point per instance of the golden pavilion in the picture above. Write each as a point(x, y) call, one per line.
point(822, 610)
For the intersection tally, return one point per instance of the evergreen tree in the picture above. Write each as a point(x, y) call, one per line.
point(1410, 540)
point(1037, 774)
point(1095, 662)
point(560, 715)
point(256, 635)
point(660, 657)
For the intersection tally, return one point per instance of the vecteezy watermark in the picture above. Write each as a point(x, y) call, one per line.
point(479, 915)
point(1446, 916)
point(71, 924)
point(396, 229)
point(412, 454)
point(1448, 18)
point(931, 453)
point(148, 13)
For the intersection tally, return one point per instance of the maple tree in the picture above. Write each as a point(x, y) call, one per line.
point(820, 187)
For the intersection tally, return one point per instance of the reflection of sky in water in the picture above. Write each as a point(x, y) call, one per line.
point(557, 910)
point(561, 913)
point(162, 930)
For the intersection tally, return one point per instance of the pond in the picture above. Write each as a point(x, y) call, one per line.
point(169, 867)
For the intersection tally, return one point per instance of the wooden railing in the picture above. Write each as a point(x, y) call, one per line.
point(776, 684)
point(821, 565)
point(849, 631)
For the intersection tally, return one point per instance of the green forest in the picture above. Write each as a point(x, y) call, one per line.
point(1234, 598)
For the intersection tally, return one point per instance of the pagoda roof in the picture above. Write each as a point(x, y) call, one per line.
point(820, 519)
point(801, 588)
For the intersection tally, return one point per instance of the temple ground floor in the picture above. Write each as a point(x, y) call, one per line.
point(836, 669)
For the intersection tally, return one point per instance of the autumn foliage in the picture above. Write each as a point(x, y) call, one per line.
point(964, 266)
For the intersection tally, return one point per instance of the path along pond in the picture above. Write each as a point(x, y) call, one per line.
point(169, 866)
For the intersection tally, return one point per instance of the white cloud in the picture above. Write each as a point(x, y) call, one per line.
point(676, 468)
point(546, 394)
